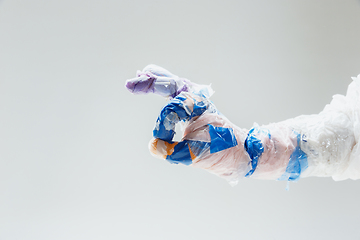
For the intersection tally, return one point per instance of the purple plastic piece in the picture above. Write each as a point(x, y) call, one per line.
point(143, 83)
point(164, 85)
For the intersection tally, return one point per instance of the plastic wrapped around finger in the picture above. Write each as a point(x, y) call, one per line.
point(157, 80)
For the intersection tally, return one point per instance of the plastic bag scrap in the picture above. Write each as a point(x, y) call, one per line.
point(324, 144)
point(154, 79)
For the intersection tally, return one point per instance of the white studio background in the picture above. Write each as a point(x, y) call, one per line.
point(74, 160)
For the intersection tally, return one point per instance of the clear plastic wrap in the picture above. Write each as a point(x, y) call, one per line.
point(325, 144)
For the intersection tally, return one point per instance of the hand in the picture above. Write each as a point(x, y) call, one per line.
point(210, 141)
point(186, 107)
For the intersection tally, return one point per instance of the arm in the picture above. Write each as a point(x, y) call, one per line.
point(212, 142)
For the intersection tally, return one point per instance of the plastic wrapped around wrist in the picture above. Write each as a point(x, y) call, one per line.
point(325, 144)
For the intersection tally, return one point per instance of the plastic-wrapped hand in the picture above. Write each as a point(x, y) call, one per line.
point(316, 145)
point(210, 141)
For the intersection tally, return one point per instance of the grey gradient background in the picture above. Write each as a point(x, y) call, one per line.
point(74, 162)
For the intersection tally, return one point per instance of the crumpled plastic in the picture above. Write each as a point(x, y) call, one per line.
point(157, 80)
point(323, 145)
